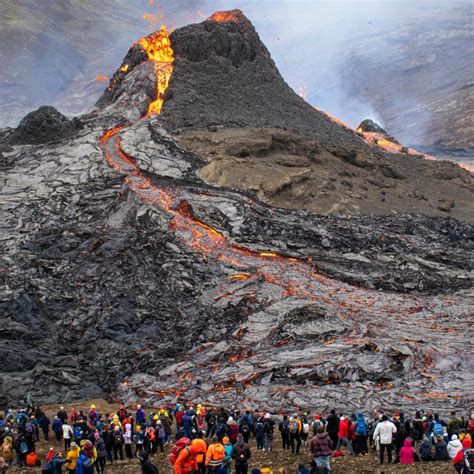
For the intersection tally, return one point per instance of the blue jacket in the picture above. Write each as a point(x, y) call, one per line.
point(80, 469)
point(57, 425)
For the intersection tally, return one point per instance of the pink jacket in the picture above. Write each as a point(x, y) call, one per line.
point(406, 453)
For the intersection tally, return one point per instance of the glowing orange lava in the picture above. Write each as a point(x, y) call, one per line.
point(232, 15)
point(159, 50)
point(100, 77)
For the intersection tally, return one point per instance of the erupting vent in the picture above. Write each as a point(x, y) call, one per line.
point(232, 15)
point(159, 50)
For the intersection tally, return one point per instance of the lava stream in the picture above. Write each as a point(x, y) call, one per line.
point(289, 276)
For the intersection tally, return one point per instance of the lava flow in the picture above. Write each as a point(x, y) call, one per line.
point(160, 52)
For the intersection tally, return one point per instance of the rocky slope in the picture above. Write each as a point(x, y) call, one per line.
point(124, 272)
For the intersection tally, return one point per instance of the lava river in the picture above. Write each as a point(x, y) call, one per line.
point(366, 319)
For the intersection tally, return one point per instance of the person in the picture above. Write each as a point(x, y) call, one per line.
point(7, 449)
point(284, 432)
point(140, 416)
point(57, 463)
point(454, 425)
point(147, 466)
point(68, 433)
point(101, 453)
point(214, 456)
point(44, 423)
point(321, 446)
point(71, 458)
point(57, 428)
point(384, 431)
point(407, 454)
point(417, 431)
point(344, 435)
point(117, 444)
point(200, 448)
point(360, 432)
point(32, 460)
point(83, 464)
point(228, 452)
point(454, 446)
point(62, 415)
point(466, 440)
point(233, 429)
point(241, 454)
point(268, 427)
point(441, 450)
point(425, 452)
point(332, 427)
point(260, 434)
point(295, 428)
point(186, 460)
point(127, 439)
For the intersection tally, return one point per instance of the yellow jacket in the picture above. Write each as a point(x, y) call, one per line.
point(71, 458)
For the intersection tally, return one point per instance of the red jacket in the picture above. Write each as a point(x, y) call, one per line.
point(406, 453)
point(344, 429)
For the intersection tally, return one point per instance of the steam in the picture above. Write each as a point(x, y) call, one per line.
point(335, 50)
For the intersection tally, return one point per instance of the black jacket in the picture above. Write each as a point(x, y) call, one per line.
point(332, 424)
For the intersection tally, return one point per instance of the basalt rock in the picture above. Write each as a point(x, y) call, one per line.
point(125, 274)
point(44, 125)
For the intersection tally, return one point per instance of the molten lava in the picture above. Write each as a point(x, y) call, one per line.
point(159, 50)
point(100, 77)
point(222, 16)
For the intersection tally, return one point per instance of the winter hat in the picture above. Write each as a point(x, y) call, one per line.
point(267, 415)
point(96, 435)
point(226, 440)
point(73, 444)
point(256, 471)
point(215, 439)
point(454, 437)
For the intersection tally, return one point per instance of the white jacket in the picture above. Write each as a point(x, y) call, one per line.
point(386, 430)
point(454, 446)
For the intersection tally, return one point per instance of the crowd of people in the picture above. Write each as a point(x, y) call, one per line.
point(217, 441)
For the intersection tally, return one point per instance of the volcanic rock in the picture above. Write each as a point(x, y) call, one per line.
point(225, 76)
point(44, 125)
point(124, 273)
point(369, 125)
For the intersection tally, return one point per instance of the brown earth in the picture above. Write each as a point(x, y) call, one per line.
point(290, 171)
point(275, 460)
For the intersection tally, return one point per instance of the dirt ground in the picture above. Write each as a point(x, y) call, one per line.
point(275, 460)
point(291, 171)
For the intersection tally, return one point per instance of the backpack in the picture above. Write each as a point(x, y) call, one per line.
point(469, 458)
point(305, 428)
point(294, 427)
point(241, 450)
point(218, 453)
point(267, 426)
point(183, 443)
point(437, 429)
point(23, 447)
point(245, 429)
point(118, 439)
point(360, 428)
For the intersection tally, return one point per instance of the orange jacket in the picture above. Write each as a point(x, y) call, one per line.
point(32, 460)
point(200, 447)
point(215, 453)
point(186, 462)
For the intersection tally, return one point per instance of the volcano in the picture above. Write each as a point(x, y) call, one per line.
point(205, 233)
